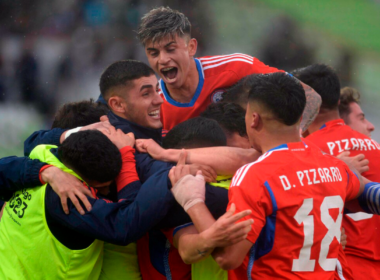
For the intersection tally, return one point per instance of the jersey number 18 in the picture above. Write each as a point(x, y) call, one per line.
point(304, 262)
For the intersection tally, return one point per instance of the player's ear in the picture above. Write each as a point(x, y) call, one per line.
point(117, 104)
point(255, 120)
point(192, 46)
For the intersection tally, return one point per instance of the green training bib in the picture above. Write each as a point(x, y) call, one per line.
point(208, 269)
point(28, 250)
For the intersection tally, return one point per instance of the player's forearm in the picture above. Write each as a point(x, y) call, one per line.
point(224, 160)
point(201, 217)
point(313, 103)
point(43, 137)
point(17, 173)
point(194, 247)
point(151, 204)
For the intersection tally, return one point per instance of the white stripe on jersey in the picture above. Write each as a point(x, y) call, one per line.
point(227, 61)
point(226, 55)
point(227, 58)
point(282, 149)
point(240, 174)
point(235, 178)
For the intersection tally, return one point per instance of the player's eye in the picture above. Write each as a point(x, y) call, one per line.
point(153, 54)
point(171, 50)
point(145, 94)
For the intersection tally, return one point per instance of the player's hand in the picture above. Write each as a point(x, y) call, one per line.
point(358, 162)
point(343, 238)
point(227, 231)
point(187, 189)
point(151, 147)
point(120, 139)
point(103, 127)
point(208, 172)
point(67, 186)
point(180, 170)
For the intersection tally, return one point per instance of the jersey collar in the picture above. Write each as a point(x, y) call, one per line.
point(279, 148)
point(197, 91)
point(337, 122)
point(295, 146)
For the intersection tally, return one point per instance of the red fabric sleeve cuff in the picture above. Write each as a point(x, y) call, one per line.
point(42, 169)
point(128, 173)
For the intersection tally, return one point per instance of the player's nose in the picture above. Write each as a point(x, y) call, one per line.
point(157, 99)
point(163, 58)
point(370, 126)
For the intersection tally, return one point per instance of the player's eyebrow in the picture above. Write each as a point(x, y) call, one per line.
point(168, 44)
point(361, 115)
point(145, 86)
point(151, 49)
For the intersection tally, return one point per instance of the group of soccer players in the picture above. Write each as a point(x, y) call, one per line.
point(204, 174)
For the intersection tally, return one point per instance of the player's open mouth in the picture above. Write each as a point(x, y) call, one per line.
point(170, 73)
point(155, 114)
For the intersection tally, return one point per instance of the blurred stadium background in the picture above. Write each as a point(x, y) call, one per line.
point(52, 52)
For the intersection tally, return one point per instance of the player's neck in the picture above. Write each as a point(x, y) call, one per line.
point(323, 117)
point(279, 137)
point(185, 93)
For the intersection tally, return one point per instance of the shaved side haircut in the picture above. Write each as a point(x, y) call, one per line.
point(122, 73)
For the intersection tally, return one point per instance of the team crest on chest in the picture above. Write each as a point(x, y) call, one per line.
point(216, 96)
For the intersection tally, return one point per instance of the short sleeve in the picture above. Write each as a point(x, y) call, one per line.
point(250, 193)
point(259, 67)
point(251, 65)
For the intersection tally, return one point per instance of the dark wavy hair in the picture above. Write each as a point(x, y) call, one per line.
point(91, 155)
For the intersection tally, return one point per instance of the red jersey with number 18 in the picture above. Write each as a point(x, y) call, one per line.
point(296, 194)
point(216, 74)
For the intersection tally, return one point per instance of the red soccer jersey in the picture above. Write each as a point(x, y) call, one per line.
point(362, 229)
point(296, 194)
point(216, 74)
point(343, 269)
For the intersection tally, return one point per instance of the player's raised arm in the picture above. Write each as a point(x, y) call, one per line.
point(57, 135)
point(224, 160)
point(313, 103)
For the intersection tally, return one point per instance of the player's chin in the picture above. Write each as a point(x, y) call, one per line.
point(155, 124)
